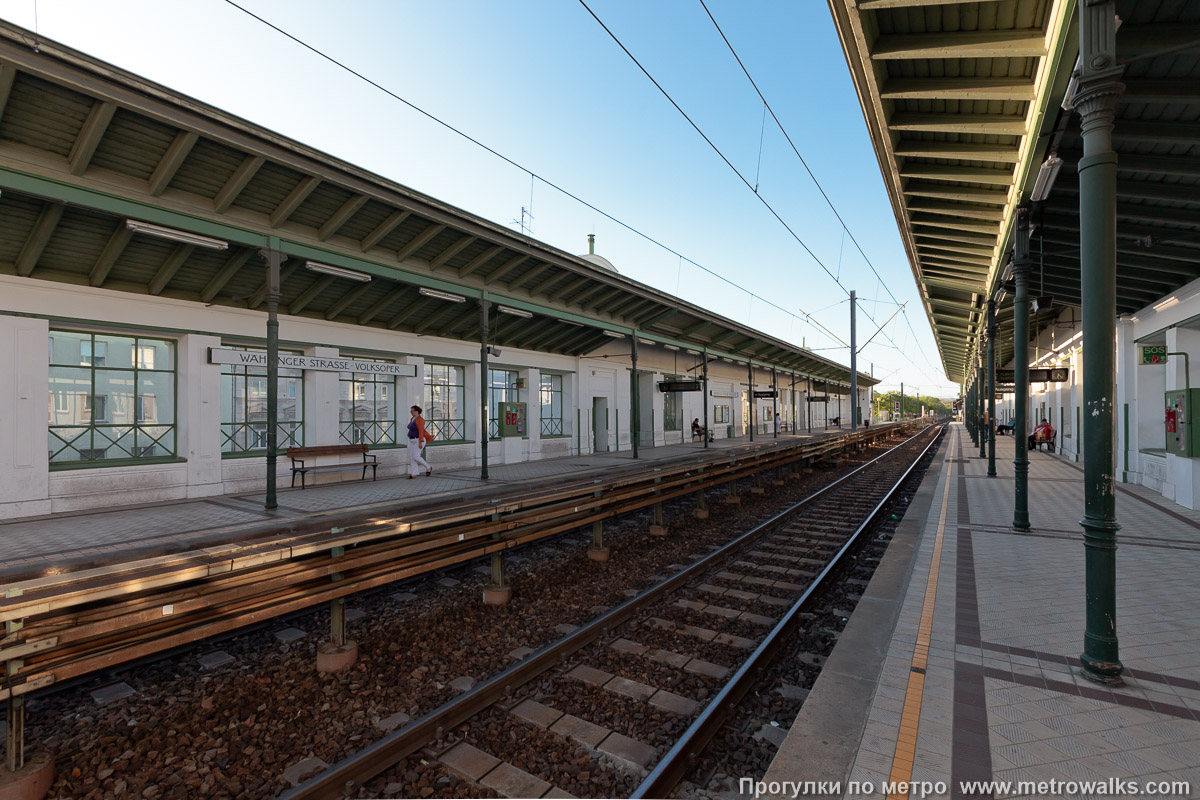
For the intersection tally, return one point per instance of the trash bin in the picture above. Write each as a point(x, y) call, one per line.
point(728, 431)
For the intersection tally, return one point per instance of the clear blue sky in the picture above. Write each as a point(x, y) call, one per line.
point(542, 83)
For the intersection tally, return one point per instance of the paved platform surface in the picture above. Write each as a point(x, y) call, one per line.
point(961, 661)
point(52, 541)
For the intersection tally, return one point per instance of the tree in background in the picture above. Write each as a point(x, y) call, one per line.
point(886, 401)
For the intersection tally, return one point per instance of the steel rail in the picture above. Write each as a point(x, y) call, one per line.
point(20, 597)
point(380, 756)
point(672, 767)
point(125, 627)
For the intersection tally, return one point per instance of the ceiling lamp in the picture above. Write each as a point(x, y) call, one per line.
point(337, 272)
point(453, 298)
point(176, 235)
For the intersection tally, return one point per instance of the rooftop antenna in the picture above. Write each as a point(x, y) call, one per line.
point(525, 222)
point(591, 244)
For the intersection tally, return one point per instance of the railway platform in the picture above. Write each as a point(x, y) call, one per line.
point(77, 539)
point(960, 663)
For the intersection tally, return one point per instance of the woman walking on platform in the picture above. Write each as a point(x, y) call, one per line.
point(418, 437)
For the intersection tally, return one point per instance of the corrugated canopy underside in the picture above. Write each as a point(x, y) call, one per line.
point(81, 143)
point(962, 100)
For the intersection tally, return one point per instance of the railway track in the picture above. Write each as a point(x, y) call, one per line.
point(62, 627)
point(721, 618)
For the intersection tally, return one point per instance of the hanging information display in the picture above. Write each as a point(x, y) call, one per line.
point(679, 386)
point(1047, 375)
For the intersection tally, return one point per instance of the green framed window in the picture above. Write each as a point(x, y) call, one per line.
point(445, 402)
point(672, 408)
point(551, 401)
point(244, 408)
point(367, 407)
point(502, 388)
point(112, 398)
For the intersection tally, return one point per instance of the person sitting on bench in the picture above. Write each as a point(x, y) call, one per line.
point(1044, 432)
point(699, 431)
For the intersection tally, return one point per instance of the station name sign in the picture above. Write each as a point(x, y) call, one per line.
point(819, 398)
point(249, 358)
point(1050, 375)
point(679, 386)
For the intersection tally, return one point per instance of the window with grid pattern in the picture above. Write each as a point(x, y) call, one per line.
point(111, 398)
point(367, 407)
point(244, 408)
point(551, 401)
point(445, 409)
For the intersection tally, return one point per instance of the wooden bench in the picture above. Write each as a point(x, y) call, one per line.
point(300, 454)
point(1050, 442)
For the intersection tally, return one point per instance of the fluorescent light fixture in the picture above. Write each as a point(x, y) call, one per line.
point(337, 272)
point(571, 322)
point(453, 298)
point(516, 312)
point(693, 352)
point(1045, 178)
point(1165, 304)
point(176, 235)
point(673, 347)
point(730, 360)
point(646, 341)
point(614, 334)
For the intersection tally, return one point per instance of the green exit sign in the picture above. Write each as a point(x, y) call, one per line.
point(1153, 354)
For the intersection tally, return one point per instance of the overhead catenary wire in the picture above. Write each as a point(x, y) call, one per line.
point(710, 143)
point(845, 228)
point(744, 180)
point(428, 115)
point(534, 175)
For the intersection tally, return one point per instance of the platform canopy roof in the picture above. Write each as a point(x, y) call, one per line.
point(964, 102)
point(85, 147)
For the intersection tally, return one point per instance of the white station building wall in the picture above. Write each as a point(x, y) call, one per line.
point(192, 461)
point(1140, 444)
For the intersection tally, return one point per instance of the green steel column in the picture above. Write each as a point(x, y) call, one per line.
point(704, 387)
point(635, 400)
point(991, 386)
point(1021, 266)
point(853, 363)
point(968, 412)
point(273, 258)
point(775, 401)
point(1096, 101)
point(808, 405)
point(983, 432)
point(484, 388)
point(753, 402)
